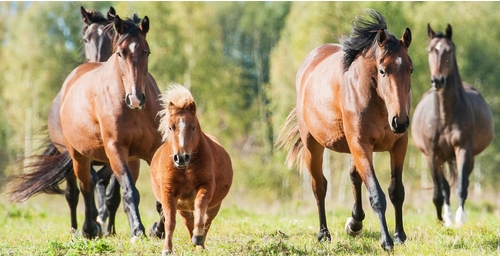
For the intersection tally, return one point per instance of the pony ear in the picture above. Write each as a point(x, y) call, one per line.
point(119, 25)
point(85, 16)
point(111, 14)
point(406, 38)
point(448, 31)
point(430, 33)
point(381, 37)
point(192, 108)
point(145, 25)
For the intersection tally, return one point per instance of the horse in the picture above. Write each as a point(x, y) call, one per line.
point(97, 33)
point(354, 97)
point(451, 124)
point(113, 123)
point(190, 173)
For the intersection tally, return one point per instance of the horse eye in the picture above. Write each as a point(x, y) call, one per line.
point(170, 128)
point(411, 71)
point(382, 72)
point(119, 54)
point(194, 127)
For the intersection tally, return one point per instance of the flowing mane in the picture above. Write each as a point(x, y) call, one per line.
point(175, 99)
point(363, 36)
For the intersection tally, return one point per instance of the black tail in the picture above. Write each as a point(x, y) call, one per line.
point(40, 174)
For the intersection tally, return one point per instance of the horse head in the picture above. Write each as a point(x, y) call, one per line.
point(441, 56)
point(179, 125)
point(132, 52)
point(97, 34)
point(394, 69)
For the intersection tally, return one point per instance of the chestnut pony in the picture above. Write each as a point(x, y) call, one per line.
point(190, 172)
point(355, 98)
point(108, 114)
point(451, 124)
point(97, 34)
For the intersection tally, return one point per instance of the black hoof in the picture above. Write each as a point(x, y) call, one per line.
point(399, 238)
point(156, 231)
point(324, 235)
point(95, 232)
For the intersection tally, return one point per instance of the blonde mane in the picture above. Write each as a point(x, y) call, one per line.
point(177, 97)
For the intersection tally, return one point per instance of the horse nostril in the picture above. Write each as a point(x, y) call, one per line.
point(187, 158)
point(176, 158)
point(142, 99)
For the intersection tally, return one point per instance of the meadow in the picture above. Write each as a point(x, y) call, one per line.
point(244, 226)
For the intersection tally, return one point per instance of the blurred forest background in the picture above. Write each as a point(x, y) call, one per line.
point(239, 59)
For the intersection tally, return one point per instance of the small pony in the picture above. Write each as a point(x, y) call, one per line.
point(190, 172)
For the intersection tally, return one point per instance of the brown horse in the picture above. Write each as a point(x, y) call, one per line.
point(451, 124)
point(355, 98)
point(190, 172)
point(114, 122)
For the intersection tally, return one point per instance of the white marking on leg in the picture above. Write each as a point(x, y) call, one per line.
point(460, 216)
point(447, 216)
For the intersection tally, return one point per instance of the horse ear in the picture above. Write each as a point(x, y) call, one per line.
point(85, 16)
point(381, 37)
point(111, 14)
point(171, 107)
point(192, 108)
point(448, 31)
point(406, 39)
point(119, 25)
point(430, 33)
point(145, 25)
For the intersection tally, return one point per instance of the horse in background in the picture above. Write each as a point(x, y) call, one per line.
point(113, 123)
point(355, 98)
point(451, 124)
point(191, 173)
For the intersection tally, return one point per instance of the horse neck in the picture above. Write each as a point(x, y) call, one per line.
point(453, 94)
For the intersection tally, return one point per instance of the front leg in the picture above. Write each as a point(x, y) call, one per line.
point(354, 224)
point(396, 187)
point(200, 210)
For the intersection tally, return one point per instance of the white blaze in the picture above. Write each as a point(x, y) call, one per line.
point(132, 47)
point(182, 127)
point(399, 61)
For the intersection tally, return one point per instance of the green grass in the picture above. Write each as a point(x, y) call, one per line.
point(40, 226)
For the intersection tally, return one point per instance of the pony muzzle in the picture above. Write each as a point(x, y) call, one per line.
point(398, 125)
point(134, 101)
point(181, 160)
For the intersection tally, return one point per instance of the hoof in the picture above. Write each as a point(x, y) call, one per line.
point(96, 233)
point(399, 238)
point(198, 240)
point(353, 227)
point(155, 233)
point(166, 252)
point(104, 225)
point(324, 235)
point(387, 247)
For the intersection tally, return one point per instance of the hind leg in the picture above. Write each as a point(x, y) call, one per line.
point(158, 228)
point(188, 219)
point(72, 194)
point(436, 170)
point(465, 163)
point(354, 224)
point(103, 176)
point(113, 199)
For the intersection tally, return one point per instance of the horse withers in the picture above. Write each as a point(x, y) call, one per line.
point(355, 98)
point(451, 124)
point(190, 173)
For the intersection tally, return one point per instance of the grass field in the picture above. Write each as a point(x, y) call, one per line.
point(40, 226)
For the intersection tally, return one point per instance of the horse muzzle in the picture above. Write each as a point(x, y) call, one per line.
point(398, 126)
point(135, 102)
point(181, 160)
point(438, 82)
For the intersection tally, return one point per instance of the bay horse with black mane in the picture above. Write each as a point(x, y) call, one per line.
point(354, 97)
point(451, 124)
point(191, 173)
point(108, 115)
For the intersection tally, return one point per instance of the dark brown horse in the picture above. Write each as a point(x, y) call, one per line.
point(451, 124)
point(190, 173)
point(355, 98)
point(108, 114)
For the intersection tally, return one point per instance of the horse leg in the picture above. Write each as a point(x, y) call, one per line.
point(354, 224)
point(72, 194)
point(158, 228)
point(445, 190)
point(81, 167)
point(100, 190)
point(131, 198)
point(363, 161)
point(113, 199)
point(465, 163)
point(169, 207)
point(313, 158)
point(396, 188)
point(188, 219)
point(437, 179)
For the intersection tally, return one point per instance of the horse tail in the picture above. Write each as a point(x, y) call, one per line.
point(289, 138)
point(40, 174)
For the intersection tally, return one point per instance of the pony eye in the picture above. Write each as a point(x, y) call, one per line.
point(194, 127)
point(170, 128)
point(382, 72)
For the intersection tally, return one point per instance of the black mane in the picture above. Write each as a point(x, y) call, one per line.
point(363, 36)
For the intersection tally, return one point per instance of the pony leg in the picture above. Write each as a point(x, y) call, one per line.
point(354, 224)
point(72, 194)
point(363, 161)
point(313, 158)
point(169, 208)
point(465, 163)
point(396, 188)
point(200, 210)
